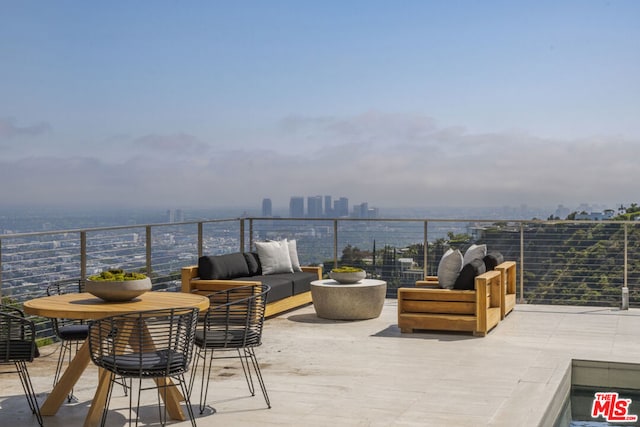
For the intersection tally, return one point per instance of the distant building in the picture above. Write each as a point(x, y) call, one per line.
point(341, 207)
point(267, 210)
point(404, 263)
point(364, 211)
point(296, 207)
point(596, 216)
point(314, 206)
point(175, 215)
point(321, 207)
point(328, 207)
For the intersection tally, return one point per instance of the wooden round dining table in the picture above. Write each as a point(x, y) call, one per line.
point(84, 306)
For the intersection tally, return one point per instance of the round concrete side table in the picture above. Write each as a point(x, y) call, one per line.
point(356, 301)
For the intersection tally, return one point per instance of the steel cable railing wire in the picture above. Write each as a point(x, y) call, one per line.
point(564, 262)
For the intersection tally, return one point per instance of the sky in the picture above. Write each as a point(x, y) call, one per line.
point(397, 103)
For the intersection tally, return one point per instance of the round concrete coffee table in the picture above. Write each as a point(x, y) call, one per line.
point(356, 301)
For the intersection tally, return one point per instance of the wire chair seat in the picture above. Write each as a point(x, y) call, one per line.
point(161, 363)
point(17, 347)
point(73, 332)
point(15, 350)
point(231, 339)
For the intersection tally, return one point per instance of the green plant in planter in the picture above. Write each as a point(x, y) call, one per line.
point(346, 269)
point(347, 274)
point(117, 285)
point(117, 275)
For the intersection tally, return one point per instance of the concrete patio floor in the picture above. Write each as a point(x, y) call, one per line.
point(366, 373)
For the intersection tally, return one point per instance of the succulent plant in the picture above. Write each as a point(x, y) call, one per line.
point(346, 269)
point(116, 275)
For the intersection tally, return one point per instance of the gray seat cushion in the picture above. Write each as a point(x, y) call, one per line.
point(151, 365)
point(74, 332)
point(281, 285)
point(302, 281)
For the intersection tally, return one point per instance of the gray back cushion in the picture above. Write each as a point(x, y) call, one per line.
point(253, 262)
point(449, 268)
point(222, 267)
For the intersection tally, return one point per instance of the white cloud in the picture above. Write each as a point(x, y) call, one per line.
point(8, 129)
point(386, 159)
point(180, 143)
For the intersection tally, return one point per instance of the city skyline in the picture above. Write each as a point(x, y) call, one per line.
point(33, 220)
point(320, 206)
point(411, 104)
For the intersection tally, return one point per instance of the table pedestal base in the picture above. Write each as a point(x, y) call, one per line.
point(358, 301)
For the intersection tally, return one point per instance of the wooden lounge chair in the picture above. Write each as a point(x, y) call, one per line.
point(429, 307)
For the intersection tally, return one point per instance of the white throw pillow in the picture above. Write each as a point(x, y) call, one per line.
point(449, 268)
point(274, 257)
point(293, 254)
point(475, 252)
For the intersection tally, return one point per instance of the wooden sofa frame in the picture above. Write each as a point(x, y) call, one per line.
point(508, 300)
point(428, 307)
point(192, 284)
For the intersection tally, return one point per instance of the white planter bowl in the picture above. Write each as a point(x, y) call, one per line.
point(117, 291)
point(347, 278)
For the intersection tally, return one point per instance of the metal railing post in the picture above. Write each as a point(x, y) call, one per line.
point(522, 301)
point(83, 255)
point(335, 243)
point(148, 249)
point(0, 268)
point(200, 241)
point(625, 290)
point(425, 254)
point(250, 233)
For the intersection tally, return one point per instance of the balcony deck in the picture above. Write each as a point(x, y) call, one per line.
point(366, 373)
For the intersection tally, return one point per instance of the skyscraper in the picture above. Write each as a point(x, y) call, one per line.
point(364, 210)
point(314, 206)
point(296, 207)
point(341, 207)
point(328, 206)
point(266, 208)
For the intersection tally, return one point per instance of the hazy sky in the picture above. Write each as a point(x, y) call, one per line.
point(398, 103)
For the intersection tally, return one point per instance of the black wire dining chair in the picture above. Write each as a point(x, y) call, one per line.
point(17, 347)
point(151, 344)
point(233, 323)
point(70, 332)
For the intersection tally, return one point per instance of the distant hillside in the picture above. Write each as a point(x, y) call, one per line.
point(579, 264)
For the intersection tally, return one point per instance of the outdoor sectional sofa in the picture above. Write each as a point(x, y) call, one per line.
point(215, 273)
